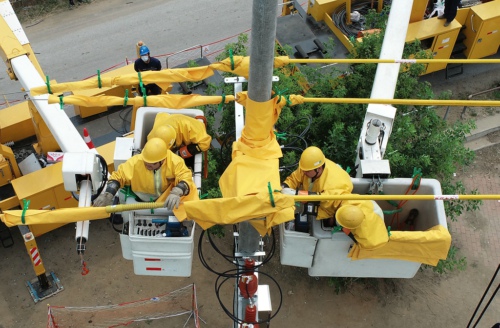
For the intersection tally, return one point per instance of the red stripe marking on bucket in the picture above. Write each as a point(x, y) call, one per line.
point(67, 198)
point(153, 269)
point(151, 260)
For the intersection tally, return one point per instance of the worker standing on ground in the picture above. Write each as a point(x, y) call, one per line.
point(147, 63)
point(362, 222)
point(180, 132)
point(151, 174)
point(318, 175)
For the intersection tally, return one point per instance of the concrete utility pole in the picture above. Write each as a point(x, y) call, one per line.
point(264, 13)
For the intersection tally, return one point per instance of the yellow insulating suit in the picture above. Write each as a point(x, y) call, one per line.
point(148, 183)
point(333, 181)
point(188, 130)
point(372, 233)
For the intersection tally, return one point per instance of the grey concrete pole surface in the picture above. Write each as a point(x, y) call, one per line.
point(264, 13)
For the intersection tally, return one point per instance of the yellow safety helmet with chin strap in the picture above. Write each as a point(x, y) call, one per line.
point(167, 134)
point(154, 151)
point(349, 216)
point(311, 158)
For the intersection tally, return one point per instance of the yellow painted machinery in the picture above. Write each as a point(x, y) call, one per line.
point(473, 34)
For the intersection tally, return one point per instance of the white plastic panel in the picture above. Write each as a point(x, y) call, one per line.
point(296, 248)
point(330, 258)
point(123, 151)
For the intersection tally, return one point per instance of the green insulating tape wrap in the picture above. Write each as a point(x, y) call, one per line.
point(140, 78)
point(127, 191)
point(151, 200)
point(280, 93)
point(348, 169)
point(271, 194)
point(288, 101)
point(336, 229)
point(26, 204)
point(390, 212)
point(280, 135)
point(125, 99)
point(389, 231)
point(204, 196)
point(144, 97)
point(231, 59)
point(222, 102)
point(48, 84)
point(99, 82)
point(392, 202)
point(61, 103)
point(417, 174)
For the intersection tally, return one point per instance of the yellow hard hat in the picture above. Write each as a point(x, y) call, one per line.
point(349, 216)
point(167, 134)
point(154, 151)
point(311, 158)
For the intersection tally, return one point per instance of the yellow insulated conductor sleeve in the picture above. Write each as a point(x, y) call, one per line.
point(393, 197)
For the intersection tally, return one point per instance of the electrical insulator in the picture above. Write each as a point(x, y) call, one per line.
point(251, 313)
point(248, 282)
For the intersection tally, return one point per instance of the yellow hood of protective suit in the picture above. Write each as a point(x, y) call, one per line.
point(372, 233)
point(426, 247)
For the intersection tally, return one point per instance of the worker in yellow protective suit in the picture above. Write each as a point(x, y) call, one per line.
point(149, 174)
point(183, 133)
point(361, 222)
point(318, 175)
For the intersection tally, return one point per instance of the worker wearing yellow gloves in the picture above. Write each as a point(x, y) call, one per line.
point(183, 133)
point(150, 174)
point(361, 222)
point(318, 175)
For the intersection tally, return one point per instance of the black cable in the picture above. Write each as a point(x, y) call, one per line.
point(484, 295)
point(111, 126)
point(112, 217)
point(295, 123)
point(231, 315)
point(486, 307)
point(104, 179)
point(352, 30)
point(229, 258)
point(125, 112)
point(295, 138)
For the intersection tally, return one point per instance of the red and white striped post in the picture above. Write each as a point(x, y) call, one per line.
point(87, 139)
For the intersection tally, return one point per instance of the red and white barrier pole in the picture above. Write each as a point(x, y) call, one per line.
point(87, 139)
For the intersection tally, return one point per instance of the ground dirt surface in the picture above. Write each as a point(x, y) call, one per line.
point(427, 300)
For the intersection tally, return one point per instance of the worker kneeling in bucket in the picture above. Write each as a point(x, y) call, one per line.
point(363, 222)
point(152, 175)
point(318, 175)
point(183, 134)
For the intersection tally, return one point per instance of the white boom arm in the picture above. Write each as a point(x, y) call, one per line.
point(57, 121)
point(379, 118)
